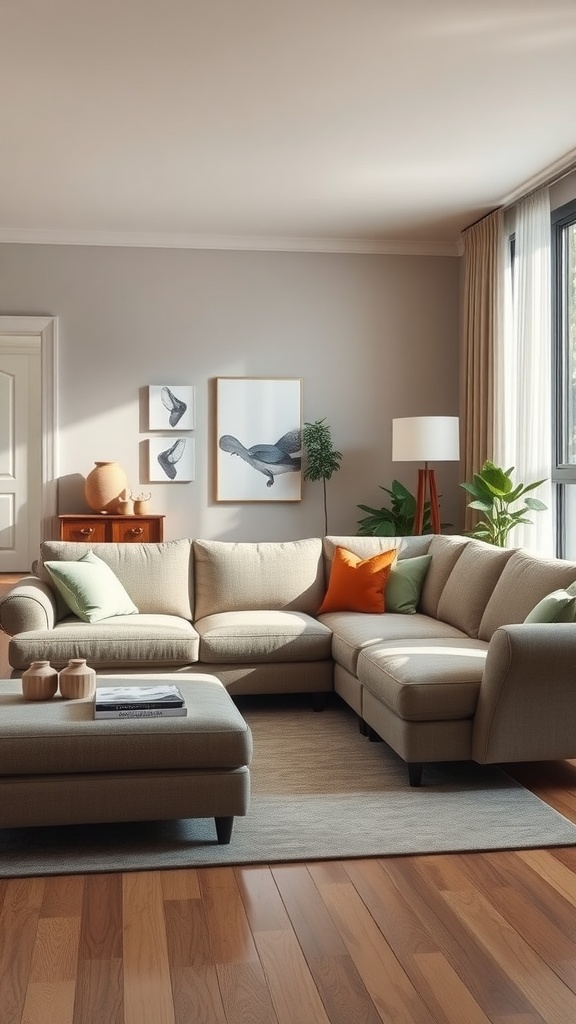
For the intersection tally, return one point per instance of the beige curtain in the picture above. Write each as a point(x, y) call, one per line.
point(481, 331)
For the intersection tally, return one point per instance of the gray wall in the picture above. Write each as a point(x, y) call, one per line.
point(372, 337)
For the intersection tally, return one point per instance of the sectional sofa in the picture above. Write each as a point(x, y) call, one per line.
point(450, 670)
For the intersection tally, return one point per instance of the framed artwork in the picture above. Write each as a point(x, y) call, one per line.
point(171, 460)
point(258, 439)
point(171, 407)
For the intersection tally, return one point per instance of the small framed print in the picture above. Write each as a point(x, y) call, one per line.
point(258, 439)
point(171, 407)
point(171, 460)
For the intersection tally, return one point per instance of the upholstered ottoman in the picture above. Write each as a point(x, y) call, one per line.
point(58, 766)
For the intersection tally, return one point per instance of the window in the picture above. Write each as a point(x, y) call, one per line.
point(564, 334)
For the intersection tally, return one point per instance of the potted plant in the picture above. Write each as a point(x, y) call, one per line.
point(322, 459)
point(396, 521)
point(493, 494)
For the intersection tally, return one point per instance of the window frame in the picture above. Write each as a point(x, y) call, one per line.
point(563, 474)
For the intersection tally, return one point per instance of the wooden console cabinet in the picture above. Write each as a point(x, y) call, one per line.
point(98, 529)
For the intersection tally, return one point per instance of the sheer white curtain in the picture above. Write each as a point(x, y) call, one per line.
point(523, 367)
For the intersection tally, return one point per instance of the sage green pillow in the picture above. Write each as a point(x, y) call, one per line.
point(404, 584)
point(90, 589)
point(559, 606)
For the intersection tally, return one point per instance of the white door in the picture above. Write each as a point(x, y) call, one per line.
point(20, 452)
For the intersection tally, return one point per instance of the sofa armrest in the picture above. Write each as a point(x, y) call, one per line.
point(29, 604)
point(527, 703)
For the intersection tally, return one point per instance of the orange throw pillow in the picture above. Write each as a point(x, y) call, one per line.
point(356, 584)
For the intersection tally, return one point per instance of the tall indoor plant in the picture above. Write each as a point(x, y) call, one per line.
point(322, 459)
point(493, 494)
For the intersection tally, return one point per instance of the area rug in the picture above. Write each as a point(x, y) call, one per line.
point(320, 790)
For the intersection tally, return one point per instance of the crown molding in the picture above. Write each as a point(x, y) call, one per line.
point(256, 243)
point(549, 176)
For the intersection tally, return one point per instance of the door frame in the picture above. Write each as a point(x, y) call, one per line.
point(46, 329)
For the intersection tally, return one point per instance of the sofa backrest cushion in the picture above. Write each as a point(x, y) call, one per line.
point(470, 585)
point(158, 577)
point(250, 576)
point(526, 579)
point(445, 553)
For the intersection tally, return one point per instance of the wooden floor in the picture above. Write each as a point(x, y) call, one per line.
point(462, 939)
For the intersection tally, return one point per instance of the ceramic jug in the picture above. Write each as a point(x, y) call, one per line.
point(104, 485)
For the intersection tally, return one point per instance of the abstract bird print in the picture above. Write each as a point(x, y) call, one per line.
point(171, 456)
point(175, 406)
point(268, 459)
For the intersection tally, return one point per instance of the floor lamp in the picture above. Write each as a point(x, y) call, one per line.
point(426, 439)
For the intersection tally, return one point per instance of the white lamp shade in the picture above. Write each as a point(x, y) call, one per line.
point(426, 439)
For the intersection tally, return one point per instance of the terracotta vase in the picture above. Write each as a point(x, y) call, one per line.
point(40, 681)
point(104, 485)
point(77, 680)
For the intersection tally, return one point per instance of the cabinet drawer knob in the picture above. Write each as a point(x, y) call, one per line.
point(87, 530)
point(136, 531)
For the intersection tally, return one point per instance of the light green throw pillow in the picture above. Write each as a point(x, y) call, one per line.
point(559, 606)
point(404, 584)
point(90, 589)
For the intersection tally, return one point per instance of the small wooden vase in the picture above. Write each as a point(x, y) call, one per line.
point(77, 680)
point(40, 681)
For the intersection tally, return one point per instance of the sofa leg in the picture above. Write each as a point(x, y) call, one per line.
point(318, 701)
point(373, 735)
point(415, 772)
point(224, 829)
point(362, 727)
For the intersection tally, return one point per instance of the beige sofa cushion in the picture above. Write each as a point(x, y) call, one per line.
point(132, 641)
point(425, 680)
point(526, 579)
point(278, 575)
point(470, 585)
point(445, 553)
point(262, 636)
point(158, 577)
point(355, 631)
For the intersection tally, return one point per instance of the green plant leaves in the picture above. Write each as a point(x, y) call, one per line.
point(322, 460)
point(494, 479)
point(396, 521)
point(493, 493)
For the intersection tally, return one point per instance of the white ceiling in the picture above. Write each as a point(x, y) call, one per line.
point(371, 125)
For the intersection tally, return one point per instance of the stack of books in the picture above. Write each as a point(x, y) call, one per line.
point(159, 701)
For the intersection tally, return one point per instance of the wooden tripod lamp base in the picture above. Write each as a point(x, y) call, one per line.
point(427, 488)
